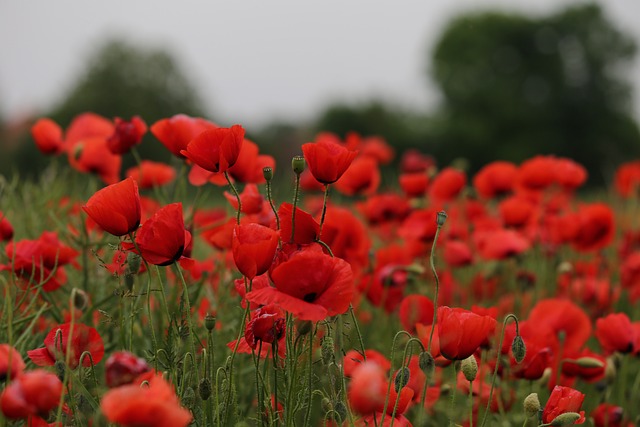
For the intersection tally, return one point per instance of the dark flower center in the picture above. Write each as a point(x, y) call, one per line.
point(310, 297)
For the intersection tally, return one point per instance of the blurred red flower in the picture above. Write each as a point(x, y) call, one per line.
point(151, 174)
point(327, 160)
point(127, 134)
point(11, 363)
point(48, 136)
point(34, 393)
point(83, 338)
point(176, 132)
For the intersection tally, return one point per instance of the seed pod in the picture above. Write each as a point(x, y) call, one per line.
point(441, 218)
point(209, 322)
point(298, 164)
point(267, 172)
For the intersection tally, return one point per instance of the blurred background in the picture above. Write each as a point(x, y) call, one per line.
point(478, 80)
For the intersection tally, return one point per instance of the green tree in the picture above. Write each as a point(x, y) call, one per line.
point(515, 86)
point(123, 80)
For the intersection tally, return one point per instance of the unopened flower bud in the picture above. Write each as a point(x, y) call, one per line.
point(80, 299)
point(426, 362)
point(589, 362)
point(326, 404)
point(402, 378)
point(189, 397)
point(204, 388)
point(469, 368)
point(441, 218)
point(518, 348)
point(328, 355)
point(209, 322)
point(60, 369)
point(303, 327)
point(298, 164)
point(267, 172)
point(133, 263)
point(340, 413)
point(566, 419)
point(531, 405)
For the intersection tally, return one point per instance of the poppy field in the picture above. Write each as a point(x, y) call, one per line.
point(368, 288)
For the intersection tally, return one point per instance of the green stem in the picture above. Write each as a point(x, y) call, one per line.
point(470, 403)
point(295, 205)
point(324, 209)
point(273, 207)
point(495, 371)
point(453, 393)
point(187, 303)
point(235, 192)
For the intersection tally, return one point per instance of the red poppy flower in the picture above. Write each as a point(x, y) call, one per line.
point(346, 236)
point(495, 179)
point(34, 393)
point(92, 155)
point(116, 208)
point(595, 227)
point(250, 198)
point(536, 174)
point(562, 400)
point(6, 229)
point(309, 284)
point(327, 160)
point(40, 261)
point(500, 244)
point(363, 177)
point(420, 225)
point(615, 333)
point(128, 133)
point(48, 136)
point(627, 179)
point(11, 363)
point(267, 324)
point(608, 415)
point(353, 359)
point(368, 388)
point(152, 174)
point(250, 164)
point(415, 309)
point(254, 247)
point(84, 338)
point(461, 332)
point(372, 146)
point(447, 185)
point(516, 211)
point(306, 228)
point(569, 174)
point(123, 368)
point(88, 125)
point(176, 132)
point(457, 253)
point(562, 317)
point(385, 208)
point(162, 239)
point(414, 184)
point(153, 406)
point(216, 150)
point(414, 161)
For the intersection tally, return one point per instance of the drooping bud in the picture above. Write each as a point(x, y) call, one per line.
point(298, 164)
point(340, 413)
point(402, 378)
point(328, 355)
point(209, 322)
point(589, 362)
point(518, 348)
point(426, 362)
point(531, 405)
point(441, 218)
point(267, 172)
point(80, 299)
point(469, 368)
point(566, 419)
point(204, 388)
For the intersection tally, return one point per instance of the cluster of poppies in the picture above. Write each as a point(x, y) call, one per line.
point(506, 279)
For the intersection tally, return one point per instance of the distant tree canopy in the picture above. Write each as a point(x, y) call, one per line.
point(515, 86)
point(123, 80)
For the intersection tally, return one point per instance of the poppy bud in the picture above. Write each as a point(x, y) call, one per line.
point(531, 405)
point(426, 362)
point(328, 355)
point(518, 348)
point(589, 362)
point(402, 378)
point(303, 327)
point(209, 322)
point(469, 368)
point(123, 368)
point(80, 299)
point(441, 218)
point(189, 397)
point(326, 404)
point(298, 164)
point(566, 419)
point(267, 172)
point(60, 369)
point(340, 413)
point(204, 388)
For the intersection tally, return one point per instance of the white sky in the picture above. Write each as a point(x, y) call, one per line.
point(252, 61)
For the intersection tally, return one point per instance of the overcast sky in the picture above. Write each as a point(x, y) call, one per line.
point(251, 61)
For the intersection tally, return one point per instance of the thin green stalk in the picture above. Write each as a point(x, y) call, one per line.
point(324, 209)
point(295, 205)
point(235, 192)
point(192, 333)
